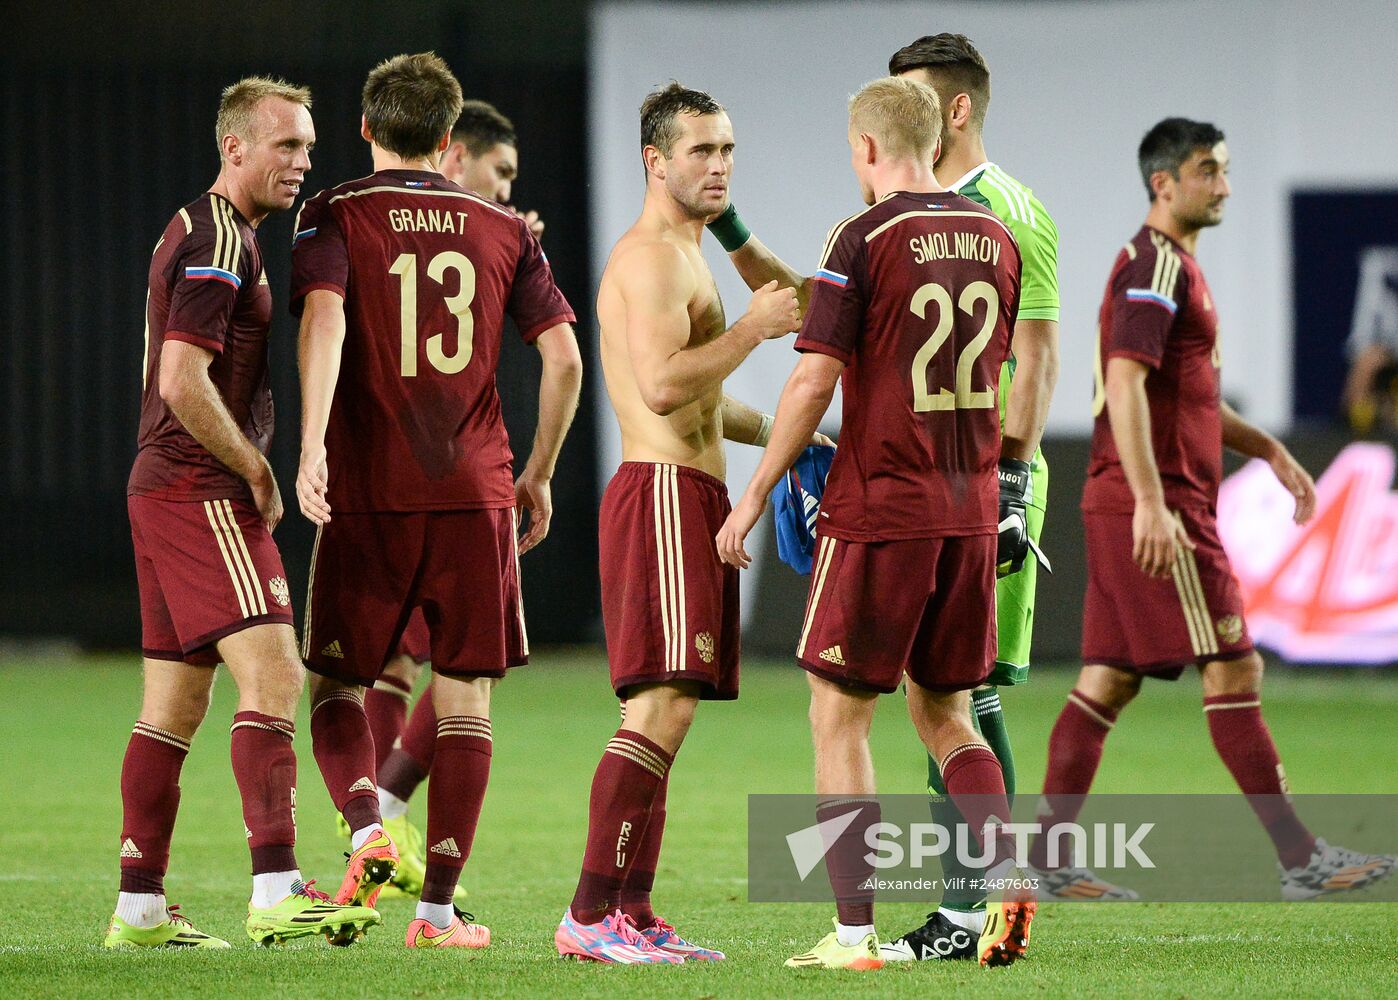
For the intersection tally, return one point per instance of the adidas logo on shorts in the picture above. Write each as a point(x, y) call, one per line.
point(834, 655)
point(363, 785)
point(333, 650)
point(130, 850)
point(447, 847)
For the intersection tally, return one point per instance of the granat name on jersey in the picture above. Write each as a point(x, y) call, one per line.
point(426, 220)
point(955, 246)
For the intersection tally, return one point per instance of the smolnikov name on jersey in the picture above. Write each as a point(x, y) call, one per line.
point(954, 246)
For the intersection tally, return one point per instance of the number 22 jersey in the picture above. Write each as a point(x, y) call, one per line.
point(427, 271)
point(917, 295)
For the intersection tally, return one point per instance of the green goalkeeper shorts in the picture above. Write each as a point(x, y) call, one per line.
point(1014, 594)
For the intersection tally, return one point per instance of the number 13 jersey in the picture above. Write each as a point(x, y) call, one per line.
point(428, 272)
point(917, 295)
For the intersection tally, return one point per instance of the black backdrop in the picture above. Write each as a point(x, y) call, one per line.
point(108, 117)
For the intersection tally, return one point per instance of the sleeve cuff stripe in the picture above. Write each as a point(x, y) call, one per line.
point(532, 332)
point(216, 273)
point(1146, 295)
point(208, 343)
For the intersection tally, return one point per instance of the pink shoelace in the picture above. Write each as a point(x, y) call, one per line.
point(624, 927)
point(305, 889)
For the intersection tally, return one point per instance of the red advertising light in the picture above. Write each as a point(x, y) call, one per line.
point(1327, 591)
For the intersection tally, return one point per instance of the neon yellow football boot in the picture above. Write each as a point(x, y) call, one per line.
point(308, 911)
point(175, 931)
point(830, 954)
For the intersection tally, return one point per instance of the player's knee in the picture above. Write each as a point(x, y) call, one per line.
point(276, 688)
point(662, 712)
point(1240, 676)
point(838, 712)
point(176, 699)
point(403, 668)
point(1109, 686)
point(462, 696)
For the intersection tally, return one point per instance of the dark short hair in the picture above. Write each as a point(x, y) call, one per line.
point(955, 66)
point(410, 103)
point(481, 128)
point(660, 109)
point(1169, 143)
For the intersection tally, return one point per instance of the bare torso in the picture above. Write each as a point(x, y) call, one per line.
point(693, 434)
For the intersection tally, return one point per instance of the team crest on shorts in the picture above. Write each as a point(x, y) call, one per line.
point(1230, 628)
point(704, 642)
point(281, 593)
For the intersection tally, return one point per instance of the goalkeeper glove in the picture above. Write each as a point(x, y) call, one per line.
point(1012, 549)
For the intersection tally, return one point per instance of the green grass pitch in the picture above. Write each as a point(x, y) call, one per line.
point(65, 724)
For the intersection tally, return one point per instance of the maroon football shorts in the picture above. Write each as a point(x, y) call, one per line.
point(669, 604)
point(369, 571)
point(205, 569)
point(920, 606)
point(1154, 626)
point(416, 643)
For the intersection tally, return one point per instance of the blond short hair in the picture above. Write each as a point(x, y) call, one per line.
point(902, 115)
point(240, 100)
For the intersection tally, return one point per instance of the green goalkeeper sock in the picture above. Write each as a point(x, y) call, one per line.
point(990, 720)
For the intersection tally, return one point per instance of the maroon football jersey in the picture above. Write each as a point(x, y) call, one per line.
point(206, 287)
point(428, 272)
point(1157, 310)
point(917, 295)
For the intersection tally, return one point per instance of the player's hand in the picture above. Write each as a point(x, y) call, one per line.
point(1012, 547)
point(773, 311)
point(535, 495)
point(267, 496)
point(735, 530)
point(532, 220)
point(312, 481)
point(1157, 537)
point(1297, 481)
point(821, 439)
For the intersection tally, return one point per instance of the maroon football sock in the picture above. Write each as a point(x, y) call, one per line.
point(406, 767)
point(640, 879)
point(1243, 740)
point(150, 797)
point(265, 768)
point(1075, 751)
point(344, 751)
point(420, 735)
point(386, 708)
point(846, 862)
point(625, 785)
point(976, 785)
point(454, 797)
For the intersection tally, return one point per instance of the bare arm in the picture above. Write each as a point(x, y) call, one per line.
point(657, 285)
point(804, 401)
point(193, 398)
point(1156, 532)
point(1249, 439)
point(1036, 374)
point(559, 386)
point(318, 352)
point(744, 425)
point(757, 265)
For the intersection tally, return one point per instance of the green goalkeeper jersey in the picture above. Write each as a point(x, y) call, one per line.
point(1037, 236)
